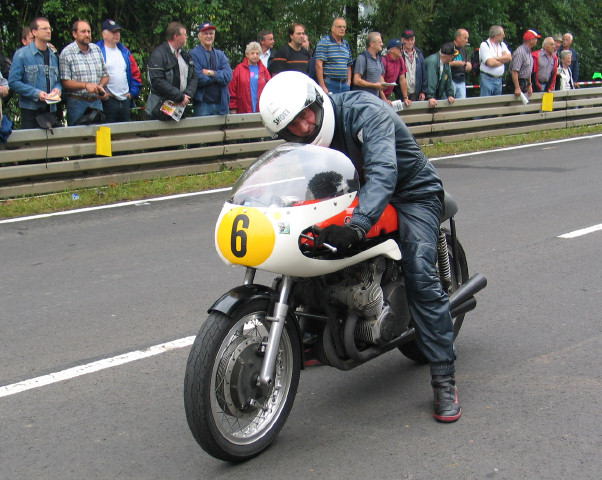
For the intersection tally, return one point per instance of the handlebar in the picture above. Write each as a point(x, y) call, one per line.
point(326, 245)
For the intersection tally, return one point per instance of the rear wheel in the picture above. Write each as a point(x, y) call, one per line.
point(228, 414)
point(458, 278)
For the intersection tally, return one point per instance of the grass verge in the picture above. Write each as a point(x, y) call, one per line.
point(33, 205)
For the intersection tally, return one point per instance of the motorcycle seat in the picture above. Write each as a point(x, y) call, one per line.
point(450, 207)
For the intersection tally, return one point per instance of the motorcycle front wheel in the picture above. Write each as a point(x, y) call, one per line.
point(411, 349)
point(228, 414)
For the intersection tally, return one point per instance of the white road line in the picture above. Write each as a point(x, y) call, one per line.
point(583, 231)
point(171, 197)
point(114, 205)
point(517, 147)
point(69, 373)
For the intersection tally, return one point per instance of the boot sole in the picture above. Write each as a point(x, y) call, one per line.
point(448, 419)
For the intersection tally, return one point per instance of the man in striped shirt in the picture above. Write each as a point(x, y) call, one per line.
point(333, 59)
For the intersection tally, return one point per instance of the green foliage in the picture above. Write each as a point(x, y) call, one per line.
point(144, 22)
point(435, 22)
point(239, 21)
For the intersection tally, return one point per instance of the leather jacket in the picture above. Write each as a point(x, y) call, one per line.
point(385, 153)
point(164, 77)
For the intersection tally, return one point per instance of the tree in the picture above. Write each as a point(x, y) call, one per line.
point(435, 22)
point(238, 21)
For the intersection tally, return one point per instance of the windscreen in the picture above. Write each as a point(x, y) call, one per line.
point(294, 174)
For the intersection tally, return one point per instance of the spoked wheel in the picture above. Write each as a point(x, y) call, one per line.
point(458, 278)
point(228, 414)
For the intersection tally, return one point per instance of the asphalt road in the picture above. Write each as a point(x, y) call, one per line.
point(90, 286)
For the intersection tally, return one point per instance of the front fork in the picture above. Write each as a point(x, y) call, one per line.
point(278, 318)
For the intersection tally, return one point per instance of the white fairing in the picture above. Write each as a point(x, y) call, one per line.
point(285, 192)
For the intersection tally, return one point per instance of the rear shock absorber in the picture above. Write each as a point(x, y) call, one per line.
point(443, 262)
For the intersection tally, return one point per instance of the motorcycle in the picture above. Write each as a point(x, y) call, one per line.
point(346, 309)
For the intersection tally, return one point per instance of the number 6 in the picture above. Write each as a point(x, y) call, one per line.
point(239, 234)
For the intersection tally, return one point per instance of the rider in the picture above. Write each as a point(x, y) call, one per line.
point(393, 169)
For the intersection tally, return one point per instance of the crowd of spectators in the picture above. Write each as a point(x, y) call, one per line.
point(98, 82)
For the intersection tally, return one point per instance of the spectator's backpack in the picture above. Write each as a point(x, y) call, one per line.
point(475, 62)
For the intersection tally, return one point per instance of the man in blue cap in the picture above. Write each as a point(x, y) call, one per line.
point(124, 75)
point(214, 73)
point(395, 71)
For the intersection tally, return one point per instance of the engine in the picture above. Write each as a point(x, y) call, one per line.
point(382, 309)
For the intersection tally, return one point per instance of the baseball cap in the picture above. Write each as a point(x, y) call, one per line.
point(449, 49)
point(394, 43)
point(206, 26)
point(110, 25)
point(408, 34)
point(530, 35)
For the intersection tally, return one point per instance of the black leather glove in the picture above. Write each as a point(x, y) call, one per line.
point(343, 238)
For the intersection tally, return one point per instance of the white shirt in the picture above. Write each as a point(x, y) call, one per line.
point(565, 76)
point(183, 66)
point(118, 80)
point(264, 57)
point(489, 50)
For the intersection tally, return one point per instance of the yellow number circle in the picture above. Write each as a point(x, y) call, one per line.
point(245, 236)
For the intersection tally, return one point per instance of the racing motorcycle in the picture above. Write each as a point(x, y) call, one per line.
point(244, 366)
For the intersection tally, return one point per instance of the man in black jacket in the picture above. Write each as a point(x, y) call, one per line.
point(394, 170)
point(171, 72)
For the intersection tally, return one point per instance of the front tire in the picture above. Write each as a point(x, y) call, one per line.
point(228, 415)
point(411, 349)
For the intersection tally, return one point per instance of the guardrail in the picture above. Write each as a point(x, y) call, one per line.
point(38, 161)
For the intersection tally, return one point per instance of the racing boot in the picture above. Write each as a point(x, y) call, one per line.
point(446, 404)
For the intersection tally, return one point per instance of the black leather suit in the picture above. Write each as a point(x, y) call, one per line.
point(394, 170)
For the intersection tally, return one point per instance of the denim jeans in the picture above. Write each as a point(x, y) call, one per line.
point(490, 86)
point(76, 108)
point(116, 110)
point(336, 86)
point(202, 109)
point(459, 90)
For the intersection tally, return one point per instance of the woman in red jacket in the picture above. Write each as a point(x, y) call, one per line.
point(248, 80)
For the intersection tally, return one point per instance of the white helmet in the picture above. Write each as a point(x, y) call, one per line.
point(285, 96)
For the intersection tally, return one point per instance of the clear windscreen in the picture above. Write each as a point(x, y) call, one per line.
point(295, 174)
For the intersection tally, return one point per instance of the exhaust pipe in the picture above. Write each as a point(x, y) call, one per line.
point(462, 300)
point(463, 308)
